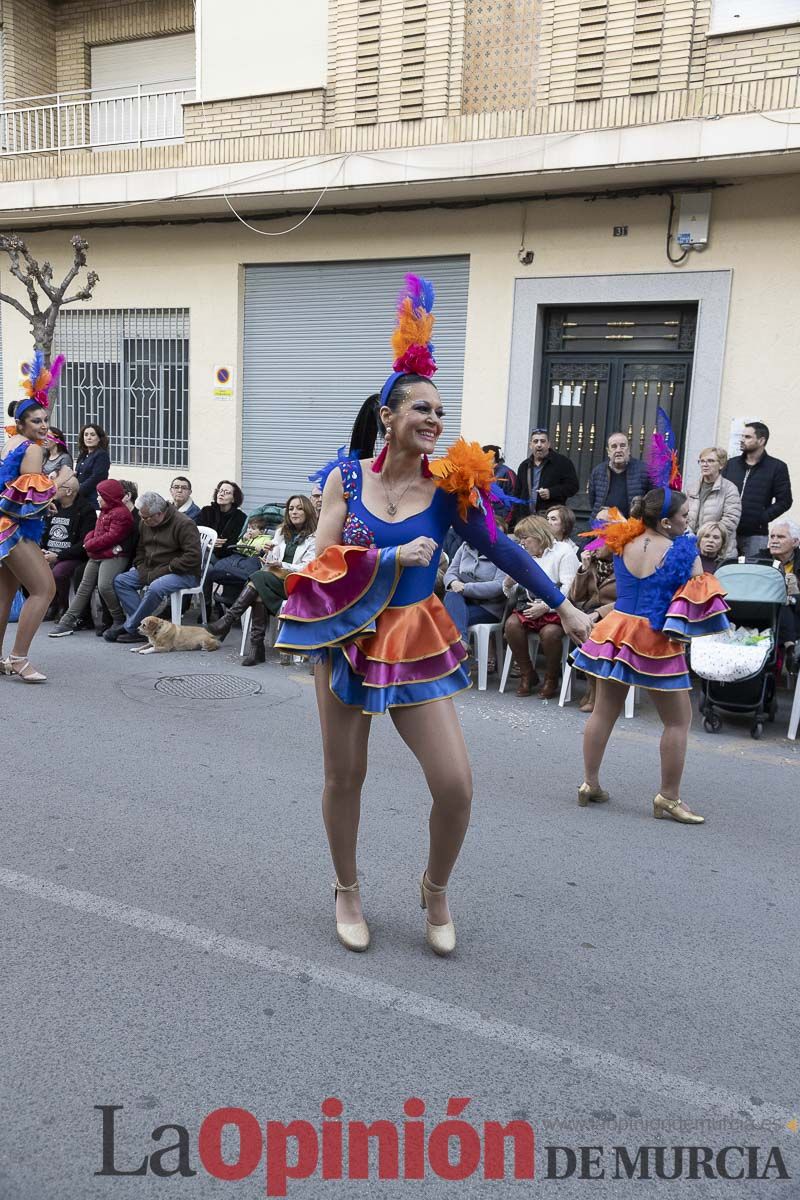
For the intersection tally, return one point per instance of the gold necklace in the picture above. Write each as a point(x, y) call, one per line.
point(393, 505)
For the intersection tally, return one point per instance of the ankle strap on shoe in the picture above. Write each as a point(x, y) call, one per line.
point(433, 888)
point(340, 887)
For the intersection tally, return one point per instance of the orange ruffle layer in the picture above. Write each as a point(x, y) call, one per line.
point(410, 634)
point(330, 566)
point(699, 590)
point(623, 629)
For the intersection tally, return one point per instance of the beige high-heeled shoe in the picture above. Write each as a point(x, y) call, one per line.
point(353, 935)
point(440, 938)
point(26, 672)
point(676, 810)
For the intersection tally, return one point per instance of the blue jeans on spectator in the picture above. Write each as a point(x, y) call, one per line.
point(138, 607)
point(464, 613)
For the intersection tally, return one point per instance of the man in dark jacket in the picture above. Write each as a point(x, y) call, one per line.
point(615, 483)
point(65, 527)
point(167, 559)
point(544, 478)
point(764, 487)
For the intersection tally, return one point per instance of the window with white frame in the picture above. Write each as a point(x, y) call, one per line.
point(127, 369)
point(139, 89)
point(733, 16)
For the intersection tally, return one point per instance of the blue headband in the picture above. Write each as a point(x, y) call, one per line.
point(667, 503)
point(24, 405)
point(387, 387)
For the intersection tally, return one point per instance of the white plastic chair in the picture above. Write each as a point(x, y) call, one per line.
point(272, 630)
point(481, 635)
point(533, 649)
point(794, 718)
point(566, 691)
point(207, 539)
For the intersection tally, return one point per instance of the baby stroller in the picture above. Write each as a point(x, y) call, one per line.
point(738, 672)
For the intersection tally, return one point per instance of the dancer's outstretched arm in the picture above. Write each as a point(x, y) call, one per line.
point(512, 559)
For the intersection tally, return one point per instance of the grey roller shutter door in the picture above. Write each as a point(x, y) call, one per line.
point(316, 344)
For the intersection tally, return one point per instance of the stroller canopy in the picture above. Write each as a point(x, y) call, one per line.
point(752, 583)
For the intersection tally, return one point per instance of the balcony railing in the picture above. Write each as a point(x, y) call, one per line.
point(131, 116)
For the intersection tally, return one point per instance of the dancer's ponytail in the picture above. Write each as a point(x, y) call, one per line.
point(366, 427)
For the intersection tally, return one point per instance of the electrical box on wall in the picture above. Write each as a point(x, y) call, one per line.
point(694, 215)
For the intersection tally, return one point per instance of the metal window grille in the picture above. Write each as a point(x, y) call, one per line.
point(127, 369)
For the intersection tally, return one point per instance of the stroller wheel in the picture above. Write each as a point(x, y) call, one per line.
point(712, 723)
point(757, 729)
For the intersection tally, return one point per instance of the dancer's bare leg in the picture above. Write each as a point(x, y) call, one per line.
point(675, 711)
point(345, 736)
point(8, 590)
point(433, 734)
point(609, 702)
point(26, 562)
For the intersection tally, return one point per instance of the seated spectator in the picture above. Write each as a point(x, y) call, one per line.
point(714, 498)
point(473, 590)
point(225, 516)
point(244, 560)
point(93, 462)
point(265, 592)
point(100, 612)
point(167, 559)
point(560, 563)
point(784, 546)
point(316, 499)
point(562, 520)
point(181, 492)
point(594, 591)
point(713, 541)
point(617, 481)
point(104, 547)
point(65, 527)
point(764, 487)
point(58, 456)
point(504, 477)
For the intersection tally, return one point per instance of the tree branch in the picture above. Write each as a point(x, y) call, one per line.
point(42, 274)
point(25, 280)
point(16, 304)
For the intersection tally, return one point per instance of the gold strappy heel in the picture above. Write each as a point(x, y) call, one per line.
point(354, 935)
point(587, 794)
point(440, 938)
point(676, 810)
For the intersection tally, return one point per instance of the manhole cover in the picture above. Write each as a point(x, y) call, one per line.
point(207, 687)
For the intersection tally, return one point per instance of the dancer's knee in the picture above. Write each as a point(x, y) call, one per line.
point(345, 779)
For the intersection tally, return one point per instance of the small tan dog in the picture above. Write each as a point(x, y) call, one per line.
point(164, 636)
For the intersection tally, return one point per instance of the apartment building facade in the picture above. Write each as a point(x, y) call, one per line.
point(604, 191)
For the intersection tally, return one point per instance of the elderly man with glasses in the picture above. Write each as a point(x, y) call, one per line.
point(167, 559)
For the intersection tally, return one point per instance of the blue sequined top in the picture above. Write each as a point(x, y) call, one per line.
point(650, 597)
point(364, 528)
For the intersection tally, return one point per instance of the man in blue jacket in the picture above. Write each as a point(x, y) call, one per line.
point(764, 485)
point(615, 483)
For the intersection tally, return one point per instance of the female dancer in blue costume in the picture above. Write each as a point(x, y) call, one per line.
point(25, 492)
point(388, 644)
point(663, 600)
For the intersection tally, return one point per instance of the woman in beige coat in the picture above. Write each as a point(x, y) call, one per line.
point(714, 498)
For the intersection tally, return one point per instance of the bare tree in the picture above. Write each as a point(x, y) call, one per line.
point(46, 298)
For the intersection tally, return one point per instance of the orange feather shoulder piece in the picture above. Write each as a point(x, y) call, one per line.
point(466, 471)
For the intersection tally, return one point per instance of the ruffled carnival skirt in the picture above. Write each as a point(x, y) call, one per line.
point(626, 648)
point(379, 656)
point(21, 506)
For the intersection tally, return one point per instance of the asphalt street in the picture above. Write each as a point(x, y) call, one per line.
point(168, 945)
